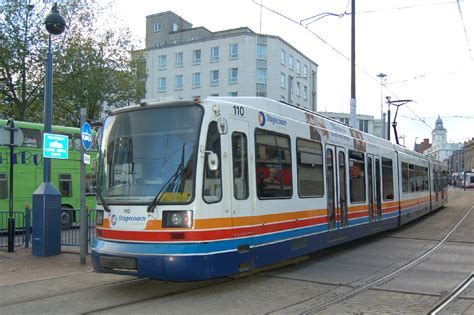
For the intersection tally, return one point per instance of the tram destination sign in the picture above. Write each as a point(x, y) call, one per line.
point(55, 146)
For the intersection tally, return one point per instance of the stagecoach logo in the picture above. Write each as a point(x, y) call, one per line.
point(114, 219)
point(262, 119)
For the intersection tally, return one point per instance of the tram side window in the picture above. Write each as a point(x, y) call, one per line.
point(65, 185)
point(411, 177)
point(273, 165)
point(31, 138)
point(3, 186)
point(240, 166)
point(425, 179)
point(310, 168)
point(387, 178)
point(405, 177)
point(212, 185)
point(357, 180)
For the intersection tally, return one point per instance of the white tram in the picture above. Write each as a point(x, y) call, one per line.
point(192, 190)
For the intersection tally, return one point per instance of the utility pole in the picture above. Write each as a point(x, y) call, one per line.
point(353, 83)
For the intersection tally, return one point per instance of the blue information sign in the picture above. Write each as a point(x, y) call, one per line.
point(86, 136)
point(55, 146)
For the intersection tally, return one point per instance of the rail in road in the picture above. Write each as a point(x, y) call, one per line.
point(381, 274)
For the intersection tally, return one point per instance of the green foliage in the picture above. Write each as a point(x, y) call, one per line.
point(92, 64)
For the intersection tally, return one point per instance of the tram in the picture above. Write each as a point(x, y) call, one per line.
point(199, 189)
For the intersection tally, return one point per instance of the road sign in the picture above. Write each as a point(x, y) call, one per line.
point(5, 134)
point(86, 136)
point(55, 146)
point(87, 159)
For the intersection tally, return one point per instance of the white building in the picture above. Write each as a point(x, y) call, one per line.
point(440, 149)
point(186, 62)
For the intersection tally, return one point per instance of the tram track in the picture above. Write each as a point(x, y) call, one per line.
point(353, 291)
point(452, 296)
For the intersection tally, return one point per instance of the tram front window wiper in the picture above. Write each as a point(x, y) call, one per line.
point(169, 183)
point(102, 201)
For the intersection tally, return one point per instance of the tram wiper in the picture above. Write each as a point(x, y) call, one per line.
point(102, 201)
point(170, 182)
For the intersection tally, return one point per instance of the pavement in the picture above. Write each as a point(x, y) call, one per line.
point(22, 267)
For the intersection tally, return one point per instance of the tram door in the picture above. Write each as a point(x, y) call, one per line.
point(374, 191)
point(238, 164)
point(336, 183)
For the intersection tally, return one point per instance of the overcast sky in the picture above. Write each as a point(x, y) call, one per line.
point(426, 48)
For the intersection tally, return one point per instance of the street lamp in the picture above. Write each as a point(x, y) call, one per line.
point(46, 198)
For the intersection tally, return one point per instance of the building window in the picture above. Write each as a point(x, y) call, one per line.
point(161, 84)
point(290, 62)
point(305, 72)
point(282, 57)
point(233, 51)
point(214, 54)
point(196, 56)
point(261, 52)
point(261, 94)
point(157, 27)
point(310, 168)
point(364, 125)
point(298, 67)
point(234, 94)
point(262, 76)
point(196, 79)
point(305, 93)
point(162, 62)
point(298, 89)
point(283, 80)
point(179, 60)
point(215, 77)
point(175, 27)
point(233, 75)
point(273, 165)
point(178, 82)
point(65, 185)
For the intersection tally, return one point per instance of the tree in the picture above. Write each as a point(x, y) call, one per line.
point(92, 64)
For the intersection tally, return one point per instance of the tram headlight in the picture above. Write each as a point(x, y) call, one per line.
point(99, 217)
point(177, 219)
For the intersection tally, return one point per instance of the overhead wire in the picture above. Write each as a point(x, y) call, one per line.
point(342, 54)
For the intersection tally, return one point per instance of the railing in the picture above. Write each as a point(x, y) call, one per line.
point(24, 227)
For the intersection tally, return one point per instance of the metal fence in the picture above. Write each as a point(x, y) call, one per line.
point(24, 228)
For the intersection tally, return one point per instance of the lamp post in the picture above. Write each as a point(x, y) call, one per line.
point(46, 198)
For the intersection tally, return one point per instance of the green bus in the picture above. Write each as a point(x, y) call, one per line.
point(28, 171)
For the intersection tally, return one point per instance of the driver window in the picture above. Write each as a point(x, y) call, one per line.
point(212, 184)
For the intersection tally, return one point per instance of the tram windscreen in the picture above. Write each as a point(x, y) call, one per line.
point(142, 151)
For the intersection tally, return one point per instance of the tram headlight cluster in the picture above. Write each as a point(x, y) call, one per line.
point(177, 219)
point(99, 217)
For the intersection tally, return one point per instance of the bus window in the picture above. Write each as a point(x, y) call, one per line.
point(65, 185)
point(212, 185)
point(31, 138)
point(3, 186)
point(91, 184)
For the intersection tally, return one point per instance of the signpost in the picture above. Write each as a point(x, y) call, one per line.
point(12, 137)
point(55, 146)
point(86, 139)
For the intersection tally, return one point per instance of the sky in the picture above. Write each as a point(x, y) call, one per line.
point(425, 48)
